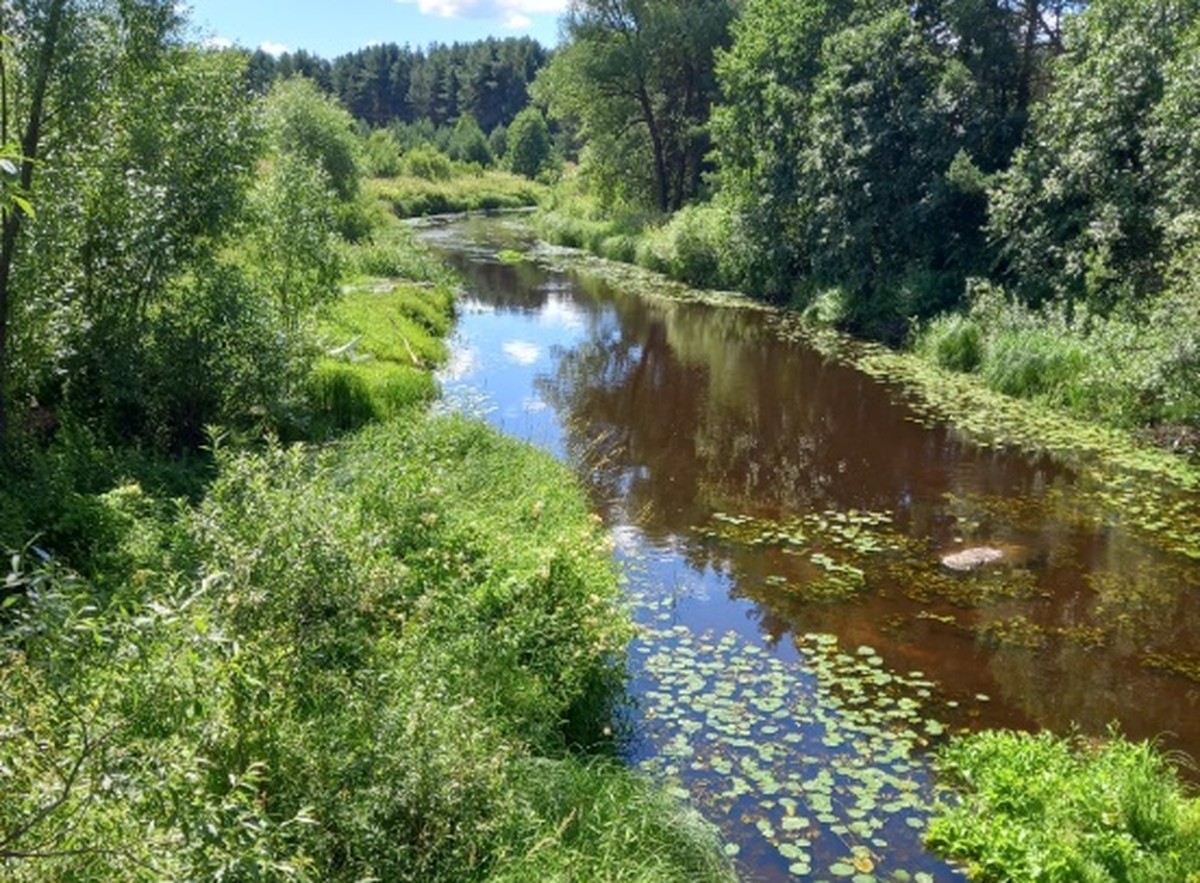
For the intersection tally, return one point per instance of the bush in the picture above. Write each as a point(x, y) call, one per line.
point(1037, 808)
point(954, 342)
point(426, 162)
point(382, 156)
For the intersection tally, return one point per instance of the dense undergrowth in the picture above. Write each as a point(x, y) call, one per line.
point(391, 656)
point(1044, 808)
point(372, 660)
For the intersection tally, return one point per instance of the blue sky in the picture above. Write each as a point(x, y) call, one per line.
point(332, 28)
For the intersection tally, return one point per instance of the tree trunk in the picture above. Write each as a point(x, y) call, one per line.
point(661, 191)
point(12, 217)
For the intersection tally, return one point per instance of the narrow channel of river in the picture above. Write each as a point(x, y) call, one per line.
point(780, 520)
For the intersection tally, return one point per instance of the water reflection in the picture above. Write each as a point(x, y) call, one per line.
point(674, 412)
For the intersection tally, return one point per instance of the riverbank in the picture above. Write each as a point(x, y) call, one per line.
point(363, 658)
point(1116, 488)
point(1134, 376)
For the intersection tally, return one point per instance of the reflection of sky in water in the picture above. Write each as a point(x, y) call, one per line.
point(522, 352)
point(684, 603)
point(496, 356)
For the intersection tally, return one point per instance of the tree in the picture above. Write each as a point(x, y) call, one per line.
point(638, 76)
point(316, 127)
point(1086, 212)
point(761, 131)
point(468, 143)
point(31, 46)
point(528, 143)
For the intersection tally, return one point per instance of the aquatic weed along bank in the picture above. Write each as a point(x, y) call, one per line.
point(782, 517)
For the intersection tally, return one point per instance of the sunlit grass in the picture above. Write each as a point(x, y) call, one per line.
point(1041, 808)
point(410, 196)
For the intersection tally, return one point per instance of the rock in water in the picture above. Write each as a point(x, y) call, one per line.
point(974, 558)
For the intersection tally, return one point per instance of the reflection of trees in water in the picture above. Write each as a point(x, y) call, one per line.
point(689, 409)
point(674, 411)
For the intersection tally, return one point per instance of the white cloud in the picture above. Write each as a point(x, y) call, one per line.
point(514, 13)
point(521, 352)
point(273, 49)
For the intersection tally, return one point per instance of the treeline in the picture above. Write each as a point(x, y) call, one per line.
point(384, 84)
point(1028, 167)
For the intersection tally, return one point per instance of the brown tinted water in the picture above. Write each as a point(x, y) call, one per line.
point(780, 519)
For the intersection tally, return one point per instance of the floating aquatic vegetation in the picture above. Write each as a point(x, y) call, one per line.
point(823, 760)
point(1176, 663)
point(1016, 631)
point(834, 545)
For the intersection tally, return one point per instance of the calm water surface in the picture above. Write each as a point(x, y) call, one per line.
point(779, 519)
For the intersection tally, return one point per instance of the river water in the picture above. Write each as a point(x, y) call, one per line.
point(779, 518)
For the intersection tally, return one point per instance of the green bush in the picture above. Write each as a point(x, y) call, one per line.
point(954, 342)
point(375, 660)
point(427, 162)
point(1043, 808)
point(382, 154)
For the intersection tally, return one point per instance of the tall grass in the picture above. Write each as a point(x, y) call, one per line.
point(466, 189)
point(383, 336)
point(1043, 808)
point(1127, 369)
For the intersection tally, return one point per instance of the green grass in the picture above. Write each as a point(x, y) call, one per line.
point(383, 337)
point(1045, 808)
point(393, 656)
point(468, 190)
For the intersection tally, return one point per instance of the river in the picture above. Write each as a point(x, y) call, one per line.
point(780, 517)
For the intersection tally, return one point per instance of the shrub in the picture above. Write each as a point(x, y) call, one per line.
point(426, 162)
point(382, 156)
point(954, 342)
point(1036, 808)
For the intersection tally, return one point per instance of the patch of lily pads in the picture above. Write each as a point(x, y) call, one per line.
point(834, 546)
point(822, 761)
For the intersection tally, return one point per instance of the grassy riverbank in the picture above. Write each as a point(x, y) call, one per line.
point(1135, 374)
point(455, 190)
point(369, 658)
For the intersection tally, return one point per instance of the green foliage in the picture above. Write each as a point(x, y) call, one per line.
point(498, 143)
point(314, 128)
point(428, 163)
point(291, 237)
point(637, 78)
point(1041, 808)
point(954, 342)
point(695, 246)
point(464, 190)
point(528, 143)
point(376, 660)
point(382, 156)
point(1090, 206)
point(468, 144)
point(1126, 369)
